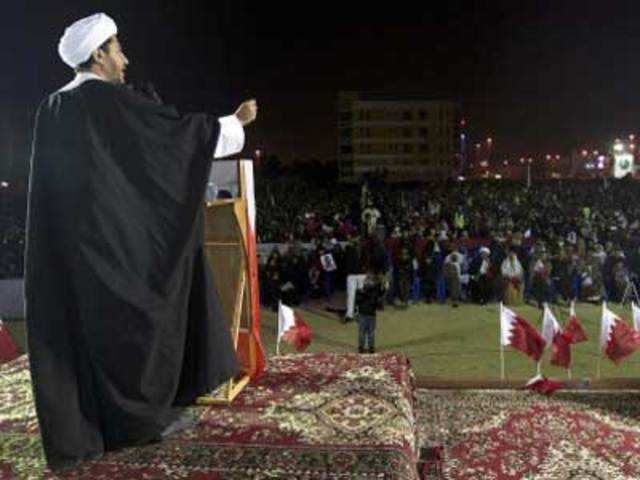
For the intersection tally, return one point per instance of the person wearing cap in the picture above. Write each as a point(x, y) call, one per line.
point(123, 321)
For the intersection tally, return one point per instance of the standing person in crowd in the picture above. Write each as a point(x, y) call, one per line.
point(369, 298)
point(540, 273)
point(429, 271)
point(512, 279)
point(370, 217)
point(393, 244)
point(293, 279)
point(453, 275)
point(352, 257)
point(481, 272)
point(329, 268)
point(592, 285)
point(405, 273)
point(620, 276)
point(273, 279)
point(561, 273)
point(607, 271)
point(314, 279)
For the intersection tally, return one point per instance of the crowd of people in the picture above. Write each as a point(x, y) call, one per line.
point(456, 241)
point(447, 241)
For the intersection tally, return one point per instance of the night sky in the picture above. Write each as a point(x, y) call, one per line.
point(536, 76)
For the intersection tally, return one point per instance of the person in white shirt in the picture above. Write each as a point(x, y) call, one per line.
point(370, 217)
point(452, 274)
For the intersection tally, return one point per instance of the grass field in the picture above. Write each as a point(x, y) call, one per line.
point(454, 344)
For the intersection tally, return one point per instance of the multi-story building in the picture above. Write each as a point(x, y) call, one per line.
point(410, 137)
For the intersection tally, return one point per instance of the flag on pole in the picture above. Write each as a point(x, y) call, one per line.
point(8, 348)
point(636, 316)
point(293, 329)
point(550, 325)
point(574, 327)
point(517, 332)
point(559, 340)
point(617, 339)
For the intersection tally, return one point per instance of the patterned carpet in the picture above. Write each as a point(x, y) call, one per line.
point(505, 435)
point(310, 416)
point(354, 417)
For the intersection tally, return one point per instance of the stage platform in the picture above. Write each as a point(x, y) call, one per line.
point(310, 416)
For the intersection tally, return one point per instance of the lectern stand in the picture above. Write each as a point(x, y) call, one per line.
point(230, 244)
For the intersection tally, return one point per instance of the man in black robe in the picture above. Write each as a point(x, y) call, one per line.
point(124, 324)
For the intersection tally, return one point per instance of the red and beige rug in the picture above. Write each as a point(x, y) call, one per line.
point(507, 435)
point(348, 417)
point(309, 416)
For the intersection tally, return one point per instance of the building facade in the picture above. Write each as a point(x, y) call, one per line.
point(408, 137)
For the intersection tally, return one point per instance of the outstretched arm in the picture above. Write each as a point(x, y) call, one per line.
point(231, 138)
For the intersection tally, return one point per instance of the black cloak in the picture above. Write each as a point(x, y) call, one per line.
point(122, 316)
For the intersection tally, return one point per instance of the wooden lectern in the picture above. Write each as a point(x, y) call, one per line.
point(230, 244)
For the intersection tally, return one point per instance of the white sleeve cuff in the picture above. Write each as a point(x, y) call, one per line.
point(231, 138)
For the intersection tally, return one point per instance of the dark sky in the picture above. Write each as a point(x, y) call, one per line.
point(536, 76)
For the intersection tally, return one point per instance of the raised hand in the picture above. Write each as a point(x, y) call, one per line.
point(247, 112)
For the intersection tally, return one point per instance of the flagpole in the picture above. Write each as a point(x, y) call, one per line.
point(539, 364)
point(604, 305)
point(278, 332)
point(564, 328)
point(501, 361)
point(501, 346)
point(571, 306)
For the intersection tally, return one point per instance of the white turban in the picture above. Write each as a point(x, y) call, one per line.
point(83, 37)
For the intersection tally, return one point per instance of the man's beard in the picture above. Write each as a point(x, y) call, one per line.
point(117, 78)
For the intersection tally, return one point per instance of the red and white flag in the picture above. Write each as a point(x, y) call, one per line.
point(617, 339)
point(574, 327)
point(550, 325)
point(543, 385)
point(559, 340)
point(636, 316)
point(293, 329)
point(8, 348)
point(517, 332)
